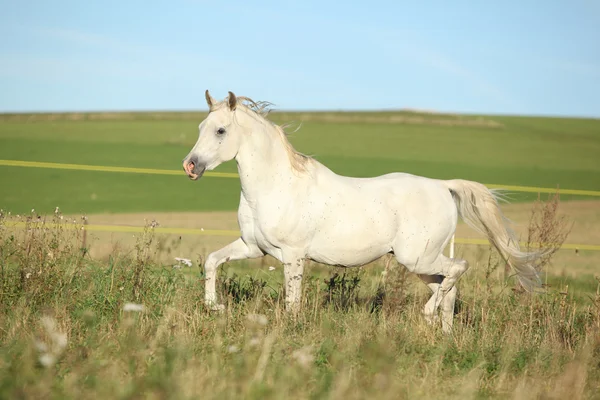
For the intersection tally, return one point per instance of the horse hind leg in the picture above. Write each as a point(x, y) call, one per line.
point(452, 269)
point(434, 282)
point(444, 291)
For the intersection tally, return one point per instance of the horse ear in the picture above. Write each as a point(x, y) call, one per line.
point(232, 101)
point(209, 100)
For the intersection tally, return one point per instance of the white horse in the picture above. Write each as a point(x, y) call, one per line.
point(294, 208)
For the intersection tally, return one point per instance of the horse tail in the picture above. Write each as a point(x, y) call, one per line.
point(478, 207)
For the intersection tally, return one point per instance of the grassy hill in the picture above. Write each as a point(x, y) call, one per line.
point(544, 152)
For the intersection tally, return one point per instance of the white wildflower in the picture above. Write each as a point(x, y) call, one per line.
point(233, 349)
point(41, 346)
point(133, 307)
point(202, 229)
point(49, 352)
point(254, 341)
point(184, 261)
point(49, 323)
point(304, 356)
point(271, 268)
point(59, 339)
point(47, 360)
point(258, 319)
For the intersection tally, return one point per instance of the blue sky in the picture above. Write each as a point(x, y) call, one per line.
point(507, 57)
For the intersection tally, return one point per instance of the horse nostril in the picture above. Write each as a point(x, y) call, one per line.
point(190, 167)
point(192, 162)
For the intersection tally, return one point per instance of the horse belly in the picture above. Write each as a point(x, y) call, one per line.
point(352, 243)
point(347, 257)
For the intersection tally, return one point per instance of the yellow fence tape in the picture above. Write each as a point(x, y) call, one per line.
point(217, 232)
point(565, 246)
point(100, 168)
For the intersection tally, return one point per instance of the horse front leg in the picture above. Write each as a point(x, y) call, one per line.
point(238, 250)
point(293, 270)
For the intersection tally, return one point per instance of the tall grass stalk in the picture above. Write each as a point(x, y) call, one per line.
point(128, 327)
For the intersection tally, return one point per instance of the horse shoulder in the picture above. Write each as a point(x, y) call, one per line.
point(247, 220)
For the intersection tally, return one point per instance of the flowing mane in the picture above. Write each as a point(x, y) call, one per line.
point(261, 110)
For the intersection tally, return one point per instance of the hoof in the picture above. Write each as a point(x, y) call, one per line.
point(431, 319)
point(447, 330)
point(215, 307)
point(447, 326)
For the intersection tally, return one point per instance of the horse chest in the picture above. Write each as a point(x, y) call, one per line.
point(273, 230)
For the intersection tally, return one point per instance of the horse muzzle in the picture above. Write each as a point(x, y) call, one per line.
point(193, 168)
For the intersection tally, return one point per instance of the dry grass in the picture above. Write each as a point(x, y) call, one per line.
point(584, 216)
point(69, 330)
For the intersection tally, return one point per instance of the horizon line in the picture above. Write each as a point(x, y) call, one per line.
point(345, 110)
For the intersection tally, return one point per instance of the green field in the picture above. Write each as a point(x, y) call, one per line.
point(542, 152)
point(65, 328)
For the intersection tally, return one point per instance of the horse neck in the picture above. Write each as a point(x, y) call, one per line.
point(263, 164)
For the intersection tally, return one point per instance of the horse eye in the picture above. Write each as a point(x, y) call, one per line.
point(221, 131)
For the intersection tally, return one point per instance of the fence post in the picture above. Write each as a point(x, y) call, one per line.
point(84, 238)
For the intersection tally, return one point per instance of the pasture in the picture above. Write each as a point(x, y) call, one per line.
point(541, 152)
point(66, 330)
